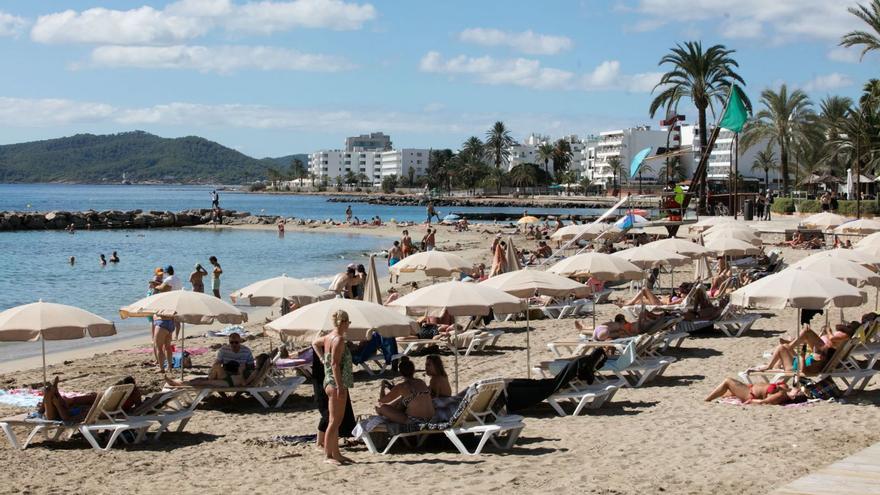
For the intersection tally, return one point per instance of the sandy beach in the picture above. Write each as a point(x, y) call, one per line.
point(658, 438)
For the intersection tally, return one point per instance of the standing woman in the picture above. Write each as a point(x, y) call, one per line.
point(499, 259)
point(215, 280)
point(338, 378)
point(196, 278)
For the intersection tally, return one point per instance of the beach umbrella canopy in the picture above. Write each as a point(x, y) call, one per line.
point(50, 321)
point(739, 234)
point(647, 256)
point(433, 263)
point(598, 265)
point(824, 220)
point(630, 220)
point(724, 226)
point(863, 226)
point(458, 299)
point(185, 307)
point(731, 247)
point(372, 291)
point(272, 290)
point(590, 231)
point(848, 271)
point(528, 219)
point(707, 222)
point(527, 283)
point(511, 260)
point(870, 240)
point(863, 256)
point(309, 321)
point(681, 246)
point(800, 289)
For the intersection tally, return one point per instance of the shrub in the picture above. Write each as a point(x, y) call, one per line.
point(848, 208)
point(783, 205)
point(258, 186)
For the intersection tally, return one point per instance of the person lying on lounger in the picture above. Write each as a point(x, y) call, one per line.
point(620, 328)
point(234, 375)
point(757, 393)
point(56, 407)
point(823, 347)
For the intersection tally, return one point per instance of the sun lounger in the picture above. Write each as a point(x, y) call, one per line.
point(584, 396)
point(105, 415)
point(164, 409)
point(268, 387)
point(475, 415)
point(734, 323)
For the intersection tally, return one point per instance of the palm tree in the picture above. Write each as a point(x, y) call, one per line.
point(545, 154)
point(562, 156)
point(764, 160)
point(785, 120)
point(867, 40)
point(524, 175)
point(616, 168)
point(701, 76)
point(832, 110)
point(473, 150)
point(498, 140)
point(646, 169)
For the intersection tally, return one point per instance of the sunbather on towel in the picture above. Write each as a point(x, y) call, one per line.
point(757, 393)
point(620, 328)
point(823, 347)
point(234, 375)
point(408, 401)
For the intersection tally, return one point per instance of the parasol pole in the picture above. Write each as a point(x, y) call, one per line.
point(528, 343)
point(182, 336)
point(43, 344)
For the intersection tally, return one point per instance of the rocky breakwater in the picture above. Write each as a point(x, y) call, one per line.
point(115, 219)
point(413, 200)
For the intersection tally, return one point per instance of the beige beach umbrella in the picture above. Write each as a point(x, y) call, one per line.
point(870, 240)
point(185, 306)
point(310, 321)
point(601, 266)
point(372, 292)
point(824, 220)
point(527, 283)
point(705, 223)
point(272, 290)
point(511, 260)
point(739, 234)
point(799, 289)
point(725, 246)
point(681, 246)
point(461, 299)
point(848, 271)
point(527, 220)
point(647, 256)
point(863, 226)
point(867, 257)
point(50, 321)
point(589, 231)
point(433, 263)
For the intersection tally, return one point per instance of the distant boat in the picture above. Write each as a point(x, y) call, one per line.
point(125, 181)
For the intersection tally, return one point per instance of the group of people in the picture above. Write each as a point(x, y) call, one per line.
point(102, 260)
point(762, 205)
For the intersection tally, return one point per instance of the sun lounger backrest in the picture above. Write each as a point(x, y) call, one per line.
point(628, 355)
point(157, 402)
point(477, 402)
point(109, 404)
point(839, 356)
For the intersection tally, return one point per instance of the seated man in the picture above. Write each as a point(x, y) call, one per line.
point(232, 375)
point(543, 251)
point(233, 352)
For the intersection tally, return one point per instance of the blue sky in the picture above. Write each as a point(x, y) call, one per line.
point(276, 77)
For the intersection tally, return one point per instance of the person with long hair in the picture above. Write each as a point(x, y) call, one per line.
point(338, 378)
point(439, 381)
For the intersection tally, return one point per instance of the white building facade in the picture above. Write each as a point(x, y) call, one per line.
point(724, 154)
point(401, 162)
point(623, 144)
point(371, 156)
point(327, 165)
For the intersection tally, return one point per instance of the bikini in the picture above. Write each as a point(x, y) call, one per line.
point(406, 401)
point(771, 389)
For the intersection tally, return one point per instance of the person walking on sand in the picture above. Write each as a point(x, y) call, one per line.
point(197, 278)
point(215, 279)
point(406, 243)
point(338, 379)
point(431, 213)
point(348, 214)
point(394, 255)
point(428, 242)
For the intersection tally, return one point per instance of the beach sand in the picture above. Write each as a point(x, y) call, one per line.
point(658, 438)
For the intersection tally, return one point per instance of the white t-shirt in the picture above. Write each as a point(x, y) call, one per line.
point(173, 281)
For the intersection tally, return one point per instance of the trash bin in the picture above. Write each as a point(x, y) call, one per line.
point(748, 210)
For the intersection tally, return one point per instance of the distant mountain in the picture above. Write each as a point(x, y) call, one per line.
point(284, 162)
point(139, 155)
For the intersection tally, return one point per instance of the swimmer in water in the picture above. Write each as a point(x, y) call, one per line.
point(72, 260)
point(103, 260)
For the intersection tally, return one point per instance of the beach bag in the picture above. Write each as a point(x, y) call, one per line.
point(824, 389)
point(179, 359)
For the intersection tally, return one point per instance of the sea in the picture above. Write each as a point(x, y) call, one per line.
point(34, 265)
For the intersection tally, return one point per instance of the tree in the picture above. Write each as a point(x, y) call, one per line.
point(785, 120)
point(524, 175)
point(868, 40)
point(764, 160)
point(545, 154)
point(701, 76)
point(676, 171)
point(832, 110)
point(274, 176)
point(616, 168)
point(562, 156)
point(498, 140)
point(644, 168)
point(389, 183)
point(411, 175)
point(350, 178)
point(298, 170)
point(440, 169)
point(363, 180)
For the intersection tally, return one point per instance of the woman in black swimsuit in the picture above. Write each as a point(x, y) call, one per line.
point(408, 401)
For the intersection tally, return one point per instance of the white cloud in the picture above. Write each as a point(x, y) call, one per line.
point(530, 74)
point(188, 19)
point(221, 59)
point(828, 82)
point(526, 42)
point(11, 25)
point(782, 20)
point(847, 55)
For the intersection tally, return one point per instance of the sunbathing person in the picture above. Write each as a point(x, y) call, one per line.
point(408, 401)
point(233, 376)
point(756, 393)
point(439, 381)
point(823, 347)
point(644, 296)
point(56, 407)
point(620, 328)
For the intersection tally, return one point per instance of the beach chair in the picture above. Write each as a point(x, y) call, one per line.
point(105, 415)
point(734, 323)
point(163, 409)
point(475, 415)
point(584, 395)
point(268, 387)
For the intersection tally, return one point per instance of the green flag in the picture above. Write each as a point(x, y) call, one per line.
point(736, 114)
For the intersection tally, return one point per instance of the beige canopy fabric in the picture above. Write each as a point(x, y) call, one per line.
point(528, 219)
point(824, 220)
point(648, 256)
point(433, 263)
point(739, 234)
point(870, 240)
point(798, 289)
point(526, 283)
point(863, 226)
point(705, 223)
point(186, 307)
point(598, 265)
point(511, 260)
point(51, 321)
point(589, 231)
point(872, 252)
point(270, 292)
point(863, 256)
point(848, 271)
point(459, 299)
point(372, 292)
point(731, 247)
point(309, 321)
point(681, 246)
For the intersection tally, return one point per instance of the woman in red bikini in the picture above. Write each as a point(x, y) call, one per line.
point(755, 393)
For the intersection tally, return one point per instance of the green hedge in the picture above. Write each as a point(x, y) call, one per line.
point(847, 208)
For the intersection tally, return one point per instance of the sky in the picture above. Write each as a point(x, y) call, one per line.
point(275, 77)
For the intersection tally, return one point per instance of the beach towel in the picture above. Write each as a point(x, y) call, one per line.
point(733, 401)
point(226, 332)
point(27, 397)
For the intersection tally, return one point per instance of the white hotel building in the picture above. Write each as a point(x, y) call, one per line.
point(373, 163)
point(623, 144)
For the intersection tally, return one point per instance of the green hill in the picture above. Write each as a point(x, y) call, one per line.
point(284, 162)
point(140, 155)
